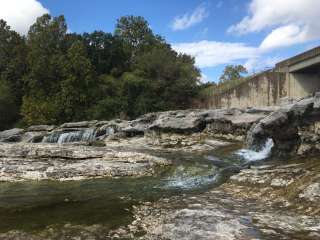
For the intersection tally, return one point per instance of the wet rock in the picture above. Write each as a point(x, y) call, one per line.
point(217, 162)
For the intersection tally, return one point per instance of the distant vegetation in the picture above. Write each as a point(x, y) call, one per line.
point(232, 76)
point(51, 76)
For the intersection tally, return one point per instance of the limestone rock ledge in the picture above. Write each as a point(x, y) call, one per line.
point(20, 162)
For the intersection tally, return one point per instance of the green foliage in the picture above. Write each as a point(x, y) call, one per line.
point(232, 73)
point(134, 30)
point(8, 108)
point(231, 77)
point(53, 76)
point(12, 68)
point(78, 87)
point(39, 112)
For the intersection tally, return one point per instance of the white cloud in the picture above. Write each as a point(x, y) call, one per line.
point(188, 20)
point(285, 36)
point(211, 53)
point(204, 78)
point(290, 21)
point(21, 14)
point(260, 63)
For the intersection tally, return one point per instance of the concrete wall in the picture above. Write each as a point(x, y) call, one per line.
point(302, 84)
point(262, 90)
point(295, 77)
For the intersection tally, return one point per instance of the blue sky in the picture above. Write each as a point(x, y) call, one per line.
point(256, 33)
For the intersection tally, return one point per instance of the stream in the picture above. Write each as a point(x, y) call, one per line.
point(38, 206)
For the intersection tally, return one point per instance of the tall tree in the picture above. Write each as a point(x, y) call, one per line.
point(13, 66)
point(233, 73)
point(79, 87)
point(8, 108)
point(134, 30)
point(46, 69)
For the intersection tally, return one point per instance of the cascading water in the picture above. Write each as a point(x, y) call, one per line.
point(250, 155)
point(85, 135)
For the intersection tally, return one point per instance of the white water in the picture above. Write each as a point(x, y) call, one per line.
point(188, 183)
point(78, 136)
point(190, 177)
point(251, 155)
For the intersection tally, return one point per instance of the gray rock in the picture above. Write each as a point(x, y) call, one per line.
point(316, 101)
point(286, 101)
point(266, 110)
point(302, 107)
point(311, 193)
point(20, 162)
point(186, 122)
point(33, 137)
point(41, 128)
point(84, 124)
point(12, 135)
point(275, 119)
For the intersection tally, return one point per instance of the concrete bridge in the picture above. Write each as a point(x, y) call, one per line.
point(302, 73)
point(293, 78)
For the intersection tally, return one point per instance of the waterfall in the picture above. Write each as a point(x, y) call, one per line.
point(52, 138)
point(251, 155)
point(85, 135)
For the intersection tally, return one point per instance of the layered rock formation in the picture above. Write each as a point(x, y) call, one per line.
point(293, 128)
point(19, 162)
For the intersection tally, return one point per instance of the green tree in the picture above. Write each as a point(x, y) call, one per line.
point(136, 35)
point(46, 62)
point(13, 66)
point(134, 30)
point(78, 89)
point(173, 77)
point(8, 108)
point(233, 73)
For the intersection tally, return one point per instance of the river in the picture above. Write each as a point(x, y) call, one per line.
point(98, 208)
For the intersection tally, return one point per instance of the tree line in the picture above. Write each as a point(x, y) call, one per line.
point(51, 76)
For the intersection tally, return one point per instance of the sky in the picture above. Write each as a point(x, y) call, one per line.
point(254, 33)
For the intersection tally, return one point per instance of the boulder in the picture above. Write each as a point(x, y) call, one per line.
point(275, 119)
point(12, 135)
point(179, 122)
point(33, 137)
point(302, 107)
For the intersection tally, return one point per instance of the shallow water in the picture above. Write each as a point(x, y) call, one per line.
point(32, 206)
point(35, 207)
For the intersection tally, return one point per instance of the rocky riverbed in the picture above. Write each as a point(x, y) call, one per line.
point(191, 174)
